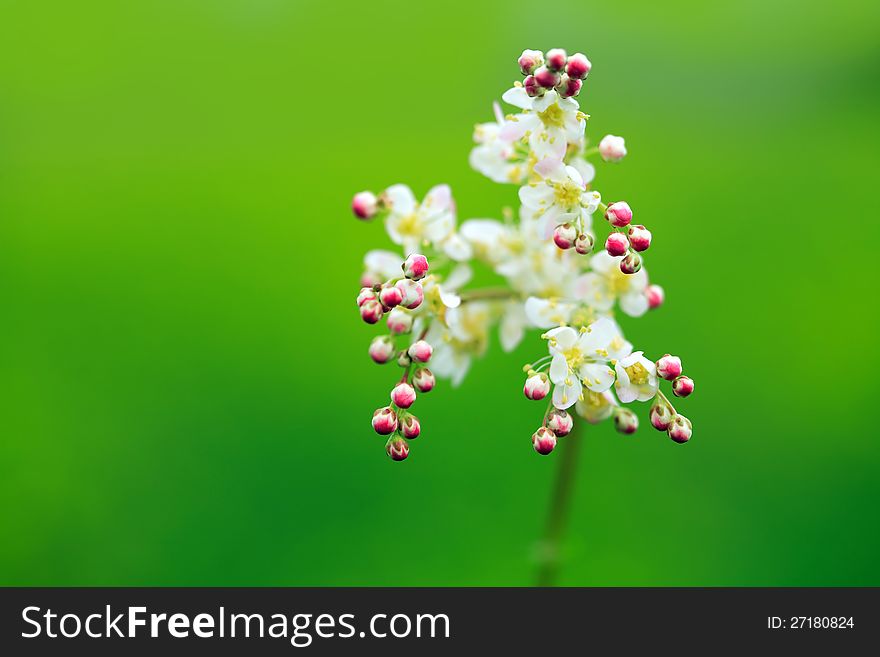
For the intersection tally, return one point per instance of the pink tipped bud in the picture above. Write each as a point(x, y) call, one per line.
point(546, 78)
point(564, 236)
point(669, 367)
point(371, 311)
point(661, 415)
point(578, 66)
point(680, 429)
point(366, 294)
point(364, 205)
point(390, 296)
point(382, 349)
point(409, 426)
point(537, 386)
point(385, 420)
point(568, 87)
point(544, 441)
point(556, 59)
point(403, 395)
point(415, 266)
point(655, 296)
point(399, 321)
point(625, 421)
point(560, 423)
point(530, 60)
point(619, 214)
point(616, 244)
point(420, 351)
point(631, 263)
point(412, 293)
point(639, 237)
point(682, 386)
point(612, 149)
point(423, 379)
point(584, 243)
point(533, 89)
point(397, 449)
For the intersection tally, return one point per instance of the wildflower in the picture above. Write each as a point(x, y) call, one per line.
point(636, 378)
point(580, 360)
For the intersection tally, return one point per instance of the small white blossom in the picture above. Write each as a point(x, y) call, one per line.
point(580, 360)
point(636, 378)
point(411, 224)
point(606, 284)
point(559, 198)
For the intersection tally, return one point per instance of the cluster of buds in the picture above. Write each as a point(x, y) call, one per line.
point(557, 424)
point(663, 414)
point(567, 236)
point(636, 239)
point(557, 71)
point(396, 297)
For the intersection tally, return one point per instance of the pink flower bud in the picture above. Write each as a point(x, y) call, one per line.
point(364, 205)
point(404, 360)
point(612, 149)
point(631, 263)
point(616, 244)
point(397, 449)
point(625, 421)
point(564, 236)
point(409, 426)
point(544, 441)
point(584, 243)
point(619, 214)
point(420, 351)
point(559, 422)
point(533, 89)
point(366, 294)
point(537, 386)
point(669, 367)
point(423, 379)
point(546, 78)
point(382, 349)
point(385, 420)
point(655, 296)
point(530, 60)
point(568, 87)
point(682, 386)
point(390, 296)
point(578, 66)
point(399, 321)
point(661, 415)
point(403, 395)
point(639, 237)
point(680, 429)
point(412, 293)
point(415, 266)
point(371, 311)
point(556, 59)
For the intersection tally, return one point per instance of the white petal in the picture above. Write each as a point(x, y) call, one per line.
point(634, 304)
point(587, 170)
point(457, 248)
point(545, 101)
point(449, 299)
point(603, 262)
point(565, 337)
point(574, 175)
point(517, 97)
point(535, 196)
point(402, 200)
point(437, 200)
point(458, 277)
point(567, 396)
point(597, 377)
point(512, 326)
point(558, 368)
point(386, 263)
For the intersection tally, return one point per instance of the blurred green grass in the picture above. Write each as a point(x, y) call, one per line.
point(184, 390)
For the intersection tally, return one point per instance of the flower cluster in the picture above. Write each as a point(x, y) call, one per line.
point(554, 278)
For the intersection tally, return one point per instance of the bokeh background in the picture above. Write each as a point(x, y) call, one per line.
point(184, 388)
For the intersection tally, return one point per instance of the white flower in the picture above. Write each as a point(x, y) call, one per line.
point(547, 313)
point(441, 294)
point(580, 360)
point(636, 378)
point(559, 198)
point(549, 122)
point(495, 156)
point(411, 224)
point(455, 345)
point(606, 283)
point(596, 406)
point(383, 264)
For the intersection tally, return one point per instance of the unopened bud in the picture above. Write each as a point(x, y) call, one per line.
point(631, 263)
point(390, 296)
point(364, 205)
point(546, 78)
point(682, 386)
point(584, 243)
point(385, 420)
point(382, 349)
point(415, 266)
point(530, 60)
point(680, 429)
point(423, 379)
point(397, 449)
point(661, 415)
point(619, 214)
point(639, 237)
point(533, 89)
point(578, 66)
point(544, 441)
point(371, 311)
point(669, 367)
point(655, 296)
point(568, 87)
point(564, 236)
point(412, 293)
point(403, 359)
point(556, 59)
point(616, 244)
point(420, 351)
point(612, 149)
point(625, 421)
point(409, 426)
point(403, 395)
point(399, 321)
point(559, 422)
point(366, 294)
point(537, 386)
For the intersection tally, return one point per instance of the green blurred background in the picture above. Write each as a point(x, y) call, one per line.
point(184, 388)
